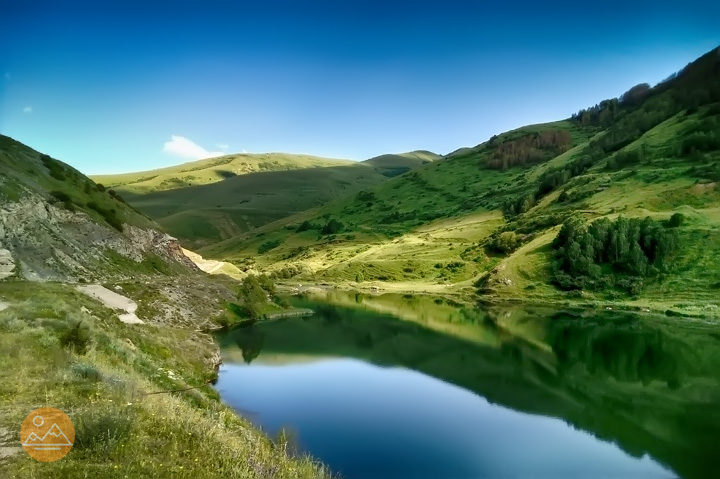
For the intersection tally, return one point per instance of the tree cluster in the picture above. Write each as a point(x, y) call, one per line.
point(528, 149)
point(607, 254)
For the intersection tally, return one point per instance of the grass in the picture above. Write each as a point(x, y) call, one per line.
point(448, 211)
point(123, 429)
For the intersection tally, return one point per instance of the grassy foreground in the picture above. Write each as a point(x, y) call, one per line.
point(62, 349)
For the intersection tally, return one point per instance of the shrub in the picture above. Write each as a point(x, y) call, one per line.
point(60, 196)
point(116, 195)
point(676, 220)
point(109, 215)
point(506, 242)
point(332, 227)
point(269, 245)
point(100, 187)
point(76, 338)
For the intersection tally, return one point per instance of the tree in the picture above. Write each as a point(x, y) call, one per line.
point(332, 227)
point(253, 295)
point(677, 219)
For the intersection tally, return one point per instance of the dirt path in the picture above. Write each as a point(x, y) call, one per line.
point(114, 301)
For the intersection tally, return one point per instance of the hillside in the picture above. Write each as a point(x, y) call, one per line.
point(208, 201)
point(484, 218)
point(211, 170)
point(100, 312)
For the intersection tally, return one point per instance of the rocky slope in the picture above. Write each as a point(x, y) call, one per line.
point(54, 226)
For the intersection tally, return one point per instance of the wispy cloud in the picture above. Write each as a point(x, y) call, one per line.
point(222, 146)
point(27, 109)
point(188, 149)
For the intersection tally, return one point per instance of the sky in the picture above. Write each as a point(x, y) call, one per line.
point(118, 86)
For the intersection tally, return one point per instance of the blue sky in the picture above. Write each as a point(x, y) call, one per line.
point(121, 86)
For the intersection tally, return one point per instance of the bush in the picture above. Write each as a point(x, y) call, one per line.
point(506, 242)
point(116, 195)
point(332, 227)
point(304, 226)
point(676, 220)
point(100, 187)
point(76, 338)
point(269, 245)
point(60, 196)
point(109, 215)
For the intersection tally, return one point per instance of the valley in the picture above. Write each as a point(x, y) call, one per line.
point(567, 271)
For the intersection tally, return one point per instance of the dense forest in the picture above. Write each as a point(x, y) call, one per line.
point(613, 254)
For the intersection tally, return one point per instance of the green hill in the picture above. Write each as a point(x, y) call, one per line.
point(212, 170)
point(396, 164)
point(652, 152)
point(211, 200)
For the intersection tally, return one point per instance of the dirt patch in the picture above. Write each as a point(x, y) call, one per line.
point(703, 187)
point(114, 301)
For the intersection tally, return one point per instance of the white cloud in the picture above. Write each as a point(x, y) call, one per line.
point(27, 109)
point(223, 146)
point(184, 148)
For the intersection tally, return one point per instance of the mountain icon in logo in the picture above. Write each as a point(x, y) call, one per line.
point(54, 437)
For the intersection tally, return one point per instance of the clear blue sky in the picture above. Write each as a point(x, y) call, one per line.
point(113, 86)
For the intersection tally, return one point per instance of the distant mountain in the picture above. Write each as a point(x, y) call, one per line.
point(204, 202)
point(396, 164)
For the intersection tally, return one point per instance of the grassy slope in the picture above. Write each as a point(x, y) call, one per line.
point(211, 200)
point(418, 253)
point(460, 196)
point(21, 165)
point(121, 429)
point(212, 170)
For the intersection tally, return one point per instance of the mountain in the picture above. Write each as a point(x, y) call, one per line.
point(208, 201)
point(486, 216)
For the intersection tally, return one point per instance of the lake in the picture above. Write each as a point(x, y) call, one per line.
point(397, 386)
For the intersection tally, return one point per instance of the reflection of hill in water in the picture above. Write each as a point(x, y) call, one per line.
point(650, 386)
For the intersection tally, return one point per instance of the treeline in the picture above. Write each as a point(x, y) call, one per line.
point(613, 254)
point(695, 85)
point(527, 149)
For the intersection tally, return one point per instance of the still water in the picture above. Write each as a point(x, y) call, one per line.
point(392, 386)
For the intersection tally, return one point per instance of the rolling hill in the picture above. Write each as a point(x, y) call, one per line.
point(211, 200)
point(211, 170)
point(652, 152)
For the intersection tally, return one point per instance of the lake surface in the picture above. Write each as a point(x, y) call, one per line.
point(399, 386)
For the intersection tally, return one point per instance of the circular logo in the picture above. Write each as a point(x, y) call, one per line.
point(47, 434)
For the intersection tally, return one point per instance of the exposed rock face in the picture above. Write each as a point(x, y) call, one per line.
point(7, 264)
point(51, 243)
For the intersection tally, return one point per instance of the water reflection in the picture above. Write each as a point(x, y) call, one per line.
point(649, 386)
